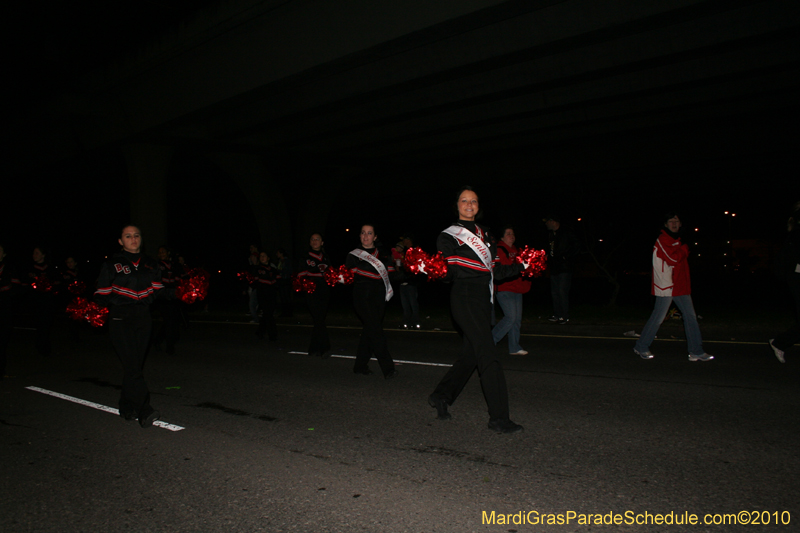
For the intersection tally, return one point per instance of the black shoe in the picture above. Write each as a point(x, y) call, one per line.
point(440, 405)
point(504, 425)
point(366, 372)
point(325, 355)
point(128, 415)
point(390, 374)
point(315, 354)
point(148, 416)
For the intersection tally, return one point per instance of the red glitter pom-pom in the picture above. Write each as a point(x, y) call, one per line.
point(77, 287)
point(334, 276)
point(247, 277)
point(415, 257)
point(536, 260)
point(193, 287)
point(418, 262)
point(96, 315)
point(436, 267)
point(303, 284)
point(42, 284)
point(82, 309)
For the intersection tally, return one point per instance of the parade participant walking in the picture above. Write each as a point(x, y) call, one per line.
point(128, 283)
point(509, 296)
point(670, 283)
point(170, 310)
point(312, 267)
point(371, 290)
point(790, 270)
point(472, 263)
point(266, 278)
point(564, 247)
point(42, 299)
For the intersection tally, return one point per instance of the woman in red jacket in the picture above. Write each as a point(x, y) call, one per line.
point(509, 295)
point(671, 283)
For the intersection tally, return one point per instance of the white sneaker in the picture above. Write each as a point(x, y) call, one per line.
point(704, 357)
point(644, 355)
point(521, 352)
point(778, 352)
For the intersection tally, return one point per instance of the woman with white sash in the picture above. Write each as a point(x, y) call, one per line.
point(472, 263)
point(371, 290)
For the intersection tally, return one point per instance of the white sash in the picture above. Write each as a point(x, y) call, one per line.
point(479, 247)
point(377, 265)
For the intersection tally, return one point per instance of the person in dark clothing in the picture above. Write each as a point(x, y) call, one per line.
point(564, 247)
point(312, 267)
point(42, 299)
point(10, 289)
point(265, 284)
point(170, 310)
point(472, 263)
point(790, 271)
point(128, 284)
point(409, 286)
point(284, 267)
point(372, 288)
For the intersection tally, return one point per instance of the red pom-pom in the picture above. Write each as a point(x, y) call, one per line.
point(303, 284)
point(334, 276)
point(42, 284)
point(436, 267)
point(536, 260)
point(76, 308)
point(246, 276)
point(415, 257)
point(96, 315)
point(194, 287)
point(77, 287)
point(82, 309)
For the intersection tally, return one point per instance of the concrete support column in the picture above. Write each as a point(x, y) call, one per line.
point(148, 170)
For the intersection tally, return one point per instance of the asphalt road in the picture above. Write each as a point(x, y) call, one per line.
point(278, 441)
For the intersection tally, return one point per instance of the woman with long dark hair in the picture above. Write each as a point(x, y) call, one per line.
point(472, 264)
point(371, 290)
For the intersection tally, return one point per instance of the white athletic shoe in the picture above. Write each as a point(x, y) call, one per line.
point(704, 357)
point(778, 352)
point(521, 352)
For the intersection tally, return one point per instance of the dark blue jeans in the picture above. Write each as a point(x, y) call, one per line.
point(559, 290)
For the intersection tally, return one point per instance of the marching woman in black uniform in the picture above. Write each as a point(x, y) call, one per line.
point(170, 310)
point(472, 262)
point(267, 292)
point(371, 290)
point(128, 283)
point(312, 267)
point(43, 300)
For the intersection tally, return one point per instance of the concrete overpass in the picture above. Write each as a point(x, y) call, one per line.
point(430, 90)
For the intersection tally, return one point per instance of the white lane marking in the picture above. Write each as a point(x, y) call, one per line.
point(100, 407)
point(421, 363)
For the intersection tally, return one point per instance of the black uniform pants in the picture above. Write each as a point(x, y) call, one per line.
point(472, 310)
point(369, 300)
point(129, 329)
point(318, 307)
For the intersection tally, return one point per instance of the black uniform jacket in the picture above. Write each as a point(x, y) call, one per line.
point(463, 264)
point(129, 279)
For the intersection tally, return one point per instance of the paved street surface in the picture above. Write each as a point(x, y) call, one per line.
point(279, 441)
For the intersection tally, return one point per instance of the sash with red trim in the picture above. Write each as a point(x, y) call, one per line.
point(477, 245)
point(377, 265)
